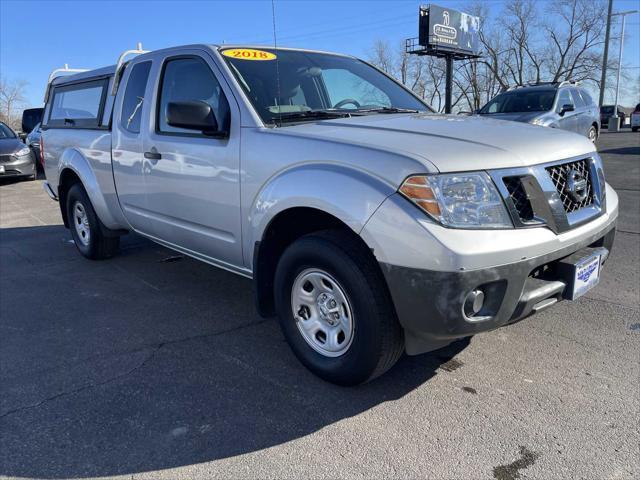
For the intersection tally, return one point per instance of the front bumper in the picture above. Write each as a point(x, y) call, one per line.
point(24, 165)
point(431, 304)
point(431, 269)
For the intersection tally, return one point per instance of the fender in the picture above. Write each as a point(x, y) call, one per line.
point(97, 179)
point(349, 194)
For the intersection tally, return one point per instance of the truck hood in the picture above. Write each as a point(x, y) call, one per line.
point(450, 143)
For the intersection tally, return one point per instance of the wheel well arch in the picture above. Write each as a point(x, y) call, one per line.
point(285, 228)
point(68, 178)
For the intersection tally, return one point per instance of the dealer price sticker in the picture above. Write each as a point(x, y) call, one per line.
point(586, 277)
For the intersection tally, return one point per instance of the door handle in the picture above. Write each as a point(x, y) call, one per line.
point(152, 156)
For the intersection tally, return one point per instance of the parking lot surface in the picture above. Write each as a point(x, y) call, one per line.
point(152, 365)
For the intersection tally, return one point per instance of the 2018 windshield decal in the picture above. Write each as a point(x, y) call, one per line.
point(248, 54)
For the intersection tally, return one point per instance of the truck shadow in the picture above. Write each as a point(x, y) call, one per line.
point(135, 379)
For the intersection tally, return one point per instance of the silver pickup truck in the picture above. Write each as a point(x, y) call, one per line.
point(369, 224)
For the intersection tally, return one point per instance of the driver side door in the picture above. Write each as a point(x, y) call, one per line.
point(193, 180)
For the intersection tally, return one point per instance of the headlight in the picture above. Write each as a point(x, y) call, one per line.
point(460, 200)
point(23, 151)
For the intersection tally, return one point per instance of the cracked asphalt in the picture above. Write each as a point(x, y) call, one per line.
point(151, 365)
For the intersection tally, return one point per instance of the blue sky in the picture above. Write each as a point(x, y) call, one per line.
point(37, 36)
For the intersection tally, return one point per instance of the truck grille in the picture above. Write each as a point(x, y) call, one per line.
point(559, 176)
point(519, 198)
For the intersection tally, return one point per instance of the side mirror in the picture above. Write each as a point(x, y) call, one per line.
point(194, 115)
point(22, 136)
point(567, 107)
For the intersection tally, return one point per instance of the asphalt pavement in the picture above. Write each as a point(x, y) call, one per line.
point(153, 365)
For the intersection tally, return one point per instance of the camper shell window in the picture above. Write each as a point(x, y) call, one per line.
point(78, 105)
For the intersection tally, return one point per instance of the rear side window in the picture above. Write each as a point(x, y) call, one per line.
point(586, 97)
point(79, 104)
point(189, 79)
point(579, 102)
point(134, 97)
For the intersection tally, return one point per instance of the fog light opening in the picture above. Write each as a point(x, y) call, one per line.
point(474, 302)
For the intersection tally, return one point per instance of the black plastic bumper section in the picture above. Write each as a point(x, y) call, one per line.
point(430, 304)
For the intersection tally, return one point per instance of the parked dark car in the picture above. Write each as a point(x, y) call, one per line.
point(557, 105)
point(16, 159)
point(33, 142)
point(606, 111)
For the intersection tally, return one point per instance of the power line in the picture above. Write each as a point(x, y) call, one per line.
point(331, 32)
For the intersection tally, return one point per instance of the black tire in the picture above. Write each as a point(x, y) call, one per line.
point(37, 168)
point(634, 129)
point(377, 342)
point(97, 246)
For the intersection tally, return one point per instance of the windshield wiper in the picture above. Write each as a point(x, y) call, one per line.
point(387, 110)
point(309, 115)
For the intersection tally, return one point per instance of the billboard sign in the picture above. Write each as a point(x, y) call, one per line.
point(450, 30)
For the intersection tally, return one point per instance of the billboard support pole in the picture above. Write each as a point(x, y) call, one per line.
point(448, 91)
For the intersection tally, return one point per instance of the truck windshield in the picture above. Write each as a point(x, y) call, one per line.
point(294, 86)
point(517, 102)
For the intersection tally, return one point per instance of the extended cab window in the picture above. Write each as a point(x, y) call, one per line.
point(190, 79)
point(134, 97)
point(78, 105)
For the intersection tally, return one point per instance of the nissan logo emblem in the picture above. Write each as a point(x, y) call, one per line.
point(576, 186)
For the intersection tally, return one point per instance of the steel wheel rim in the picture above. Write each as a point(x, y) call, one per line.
point(592, 134)
point(81, 223)
point(322, 312)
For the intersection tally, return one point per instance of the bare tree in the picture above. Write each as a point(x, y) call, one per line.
point(11, 101)
point(576, 29)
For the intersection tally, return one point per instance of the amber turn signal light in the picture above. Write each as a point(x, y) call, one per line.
point(418, 190)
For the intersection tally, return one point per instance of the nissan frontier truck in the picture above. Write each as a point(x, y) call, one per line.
point(370, 225)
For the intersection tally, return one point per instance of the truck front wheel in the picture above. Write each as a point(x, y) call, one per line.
point(335, 309)
point(86, 229)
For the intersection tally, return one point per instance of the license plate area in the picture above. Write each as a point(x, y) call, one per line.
point(581, 271)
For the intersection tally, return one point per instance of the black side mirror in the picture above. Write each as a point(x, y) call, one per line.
point(567, 107)
point(194, 115)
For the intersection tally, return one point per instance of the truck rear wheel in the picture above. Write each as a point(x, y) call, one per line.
point(87, 230)
point(335, 309)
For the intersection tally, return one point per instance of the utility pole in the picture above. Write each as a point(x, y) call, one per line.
point(614, 117)
point(605, 56)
